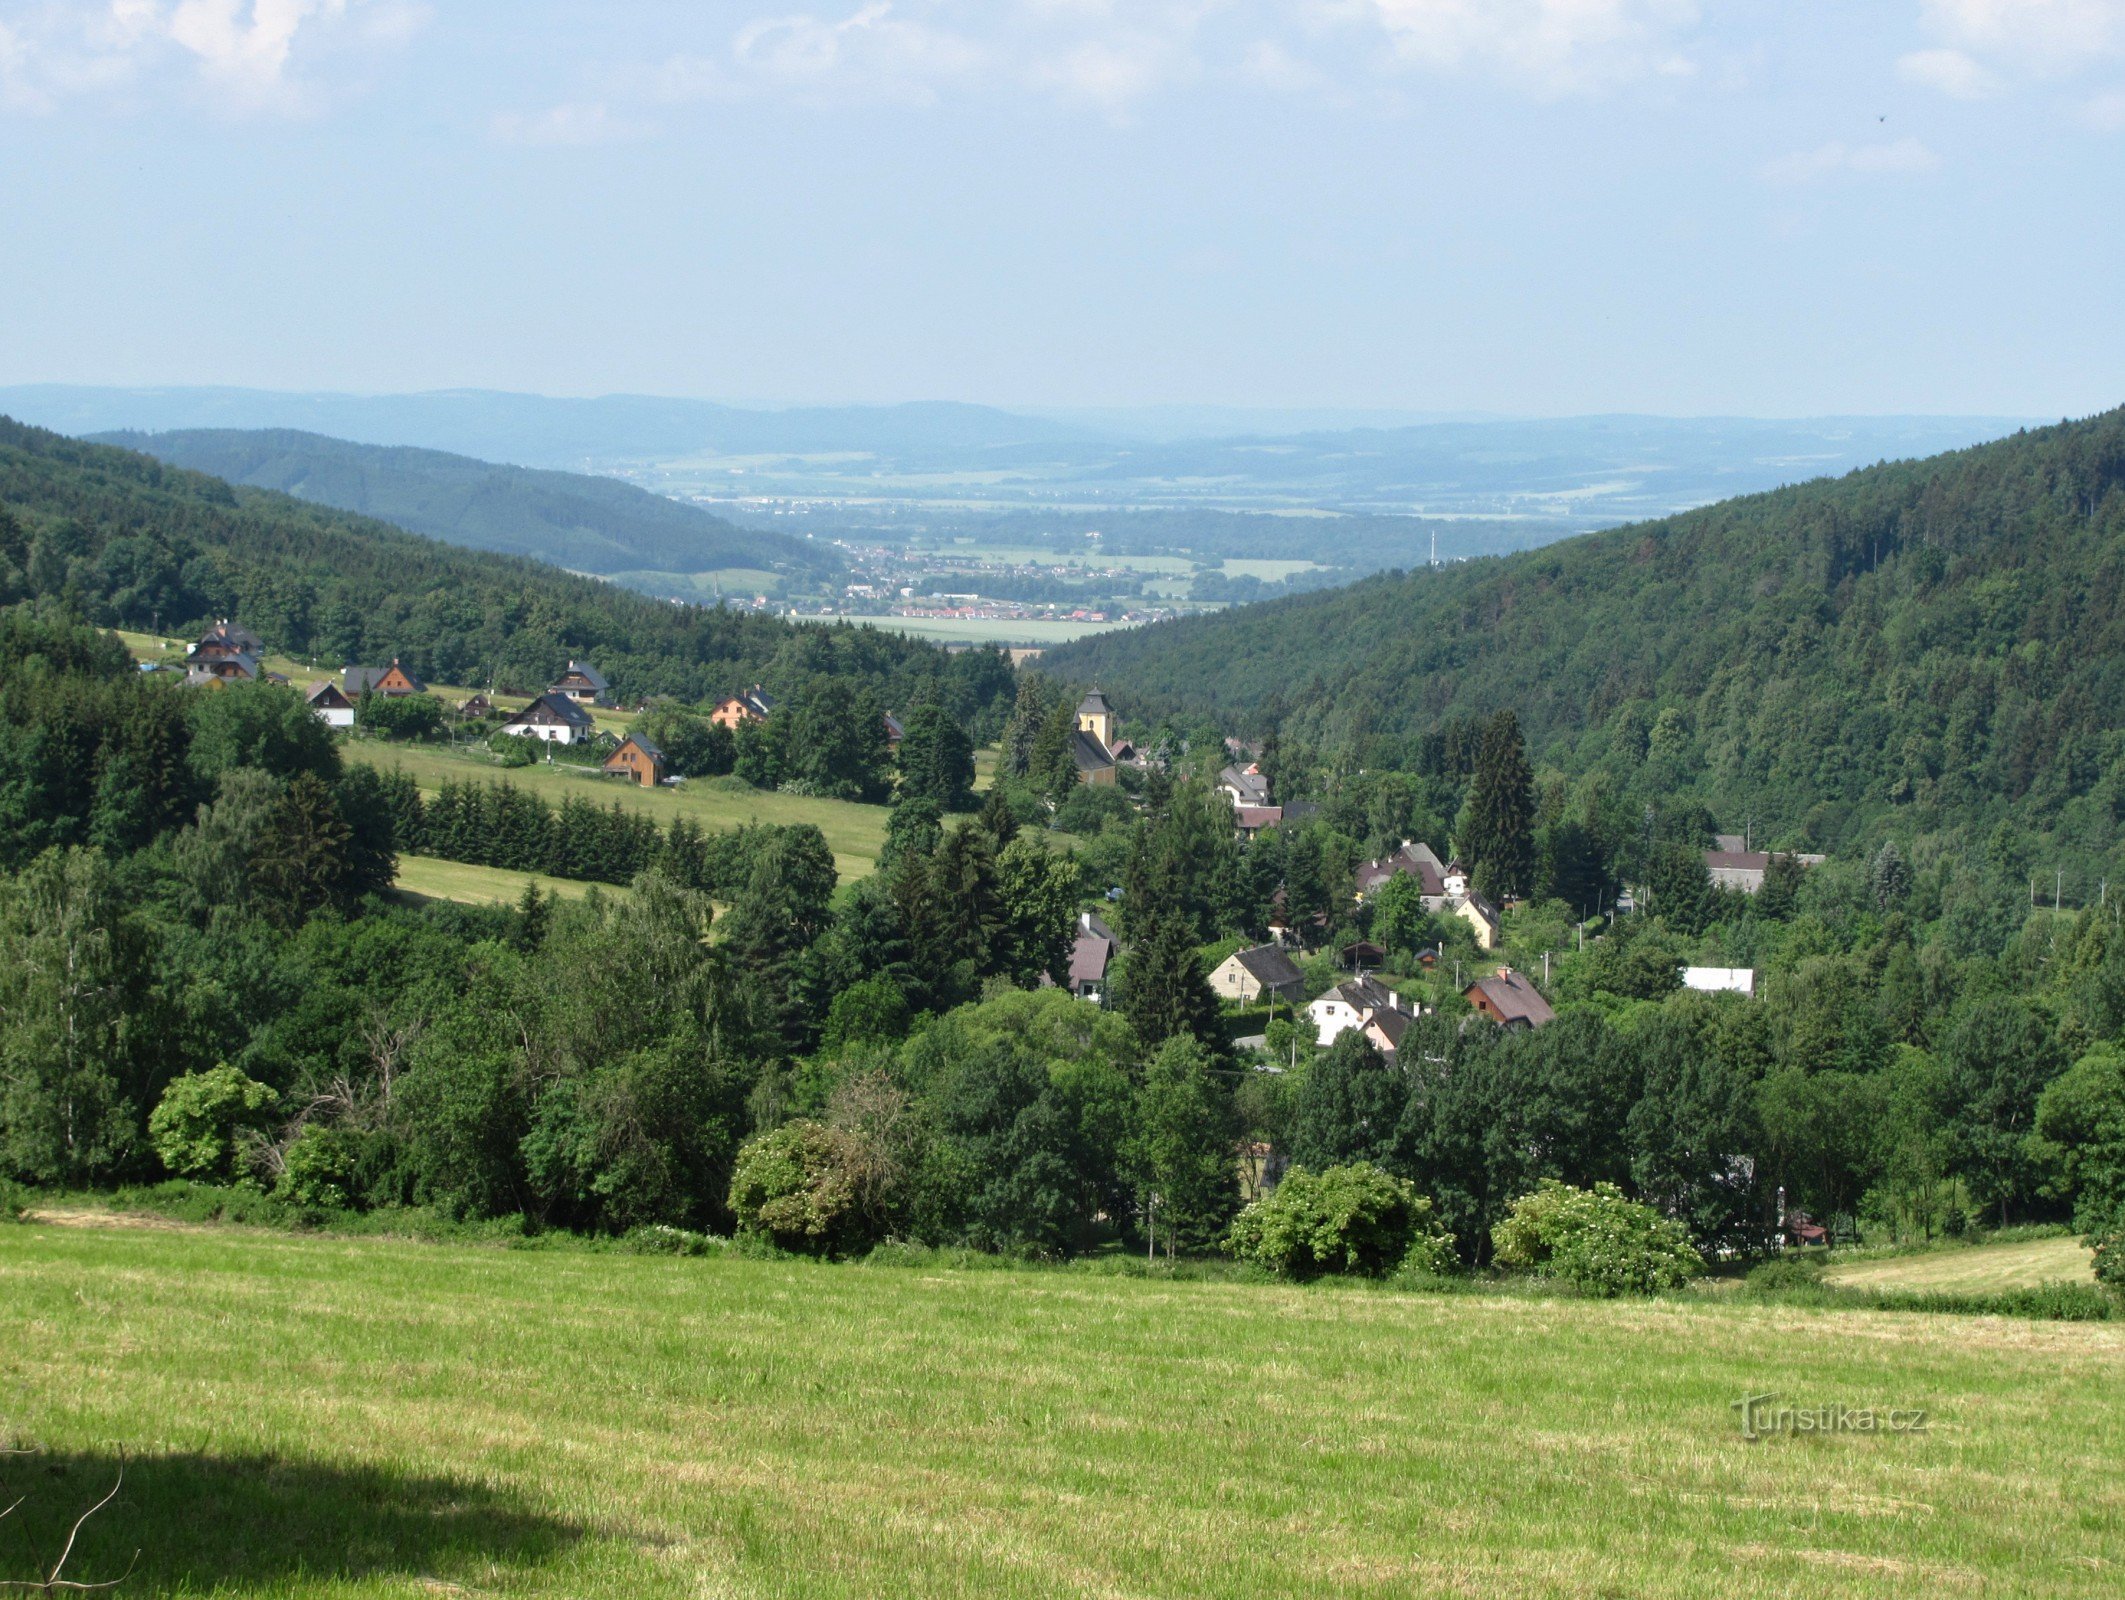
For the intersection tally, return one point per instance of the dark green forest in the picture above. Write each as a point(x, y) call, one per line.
point(130, 542)
point(1924, 650)
point(575, 520)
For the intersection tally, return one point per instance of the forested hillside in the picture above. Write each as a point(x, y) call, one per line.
point(1916, 648)
point(138, 544)
point(570, 519)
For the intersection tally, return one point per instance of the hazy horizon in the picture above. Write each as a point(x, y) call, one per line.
point(1519, 208)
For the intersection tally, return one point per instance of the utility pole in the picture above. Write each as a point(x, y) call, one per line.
point(2058, 888)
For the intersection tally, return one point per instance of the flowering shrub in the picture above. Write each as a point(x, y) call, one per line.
point(798, 1186)
point(1595, 1239)
point(1354, 1218)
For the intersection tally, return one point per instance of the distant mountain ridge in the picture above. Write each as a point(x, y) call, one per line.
point(588, 524)
point(538, 430)
point(1926, 646)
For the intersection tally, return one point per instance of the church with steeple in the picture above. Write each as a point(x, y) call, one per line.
point(1093, 743)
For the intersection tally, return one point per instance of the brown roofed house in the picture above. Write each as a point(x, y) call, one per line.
point(582, 683)
point(227, 638)
point(1509, 999)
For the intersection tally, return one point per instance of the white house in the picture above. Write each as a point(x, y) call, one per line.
point(1720, 980)
point(329, 703)
point(1354, 1003)
point(554, 718)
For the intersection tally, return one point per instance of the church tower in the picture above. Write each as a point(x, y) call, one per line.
point(1096, 717)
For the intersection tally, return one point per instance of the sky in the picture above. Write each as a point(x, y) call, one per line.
point(1529, 207)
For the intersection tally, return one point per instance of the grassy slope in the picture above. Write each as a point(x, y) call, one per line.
point(855, 833)
point(314, 1417)
point(2024, 1264)
point(458, 880)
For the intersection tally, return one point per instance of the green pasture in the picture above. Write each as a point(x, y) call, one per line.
point(855, 833)
point(436, 879)
point(311, 1416)
point(1980, 1269)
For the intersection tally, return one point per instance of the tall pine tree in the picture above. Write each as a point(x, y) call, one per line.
point(1498, 825)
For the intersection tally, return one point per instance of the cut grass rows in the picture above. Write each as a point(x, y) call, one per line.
point(315, 1416)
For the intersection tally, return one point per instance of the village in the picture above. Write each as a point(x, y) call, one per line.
point(1314, 979)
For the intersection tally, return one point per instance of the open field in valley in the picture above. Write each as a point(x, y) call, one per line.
point(319, 1416)
point(459, 880)
point(1981, 1269)
point(978, 630)
point(855, 833)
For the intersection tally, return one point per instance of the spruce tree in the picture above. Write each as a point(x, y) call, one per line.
point(1497, 835)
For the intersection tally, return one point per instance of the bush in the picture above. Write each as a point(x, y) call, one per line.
point(199, 1122)
point(1596, 1240)
point(1353, 1218)
point(320, 1170)
point(798, 1187)
point(2107, 1239)
point(14, 1200)
point(1787, 1272)
point(515, 749)
point(661, 1239)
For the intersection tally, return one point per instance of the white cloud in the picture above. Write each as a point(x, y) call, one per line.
point(239, 56)
point(1990, 46)
point(573, 122)
point(1902, 158)
point(1548, 47)
point(2052, 36)
point(1950, 71)
point(2105, 112)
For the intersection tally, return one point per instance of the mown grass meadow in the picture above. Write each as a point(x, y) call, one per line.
point(315, 1415)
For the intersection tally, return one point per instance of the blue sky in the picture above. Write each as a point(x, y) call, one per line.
point(1770, 207)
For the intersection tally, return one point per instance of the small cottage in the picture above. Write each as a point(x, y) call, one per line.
point(639, 760)
point(330, 705)
point(1246, 975)
point(1509, 999)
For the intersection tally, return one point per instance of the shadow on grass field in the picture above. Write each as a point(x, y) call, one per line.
point(187, 1523)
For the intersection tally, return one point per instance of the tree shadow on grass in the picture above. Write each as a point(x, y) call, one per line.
point(201, 1523)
